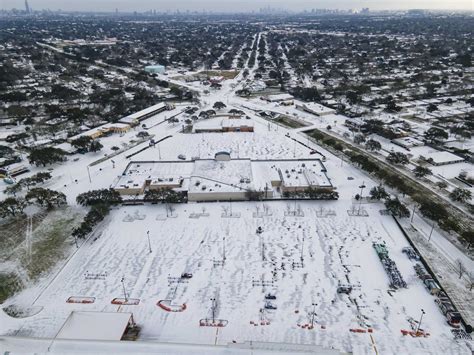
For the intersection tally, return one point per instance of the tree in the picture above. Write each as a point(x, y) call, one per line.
point(378, 193)
point(430, 209)
point(82, 143)
point(359, 138)
point(468, 237)
point(397, 158)
point(421, 171)
point(442, 185)
point(435, 134)
point(108, 196)
point(6, 152)
point(164, 195)
point(11, 207)
point(45, 156)
point(96, 214)
point(46, 198)
point(460, 195)
point(219, 105)
point(373, 145)
point(432, 108)
point(95, 146)
point(396, 208)
point(13, 189)
point(254, 195)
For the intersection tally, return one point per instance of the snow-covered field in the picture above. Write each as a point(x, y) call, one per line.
point(332, 249)
point(304, 258)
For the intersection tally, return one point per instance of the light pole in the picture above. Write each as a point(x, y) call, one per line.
point(148, 236)
point(432, 228)
point(313, 314)
point(362, 187)
point(419, 323)
point(413, 213)
point(124, 292)
point(89, 173)
point(213, 309)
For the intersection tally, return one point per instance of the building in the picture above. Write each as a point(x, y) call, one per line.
point(278, 98)
point(438, 158)
point(224, 178)
point(218, 125)
point(155, 69)
point(135, 118)
point(96, 326)
point(407, 142)
point(103, 130)
point(314, 108)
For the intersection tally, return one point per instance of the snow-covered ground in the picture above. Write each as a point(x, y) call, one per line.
point(332, 248)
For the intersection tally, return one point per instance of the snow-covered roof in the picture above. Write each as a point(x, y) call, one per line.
point(95, 325)
point(442, 157)
point(146, 111)
point(315, 108)
point(279, 97)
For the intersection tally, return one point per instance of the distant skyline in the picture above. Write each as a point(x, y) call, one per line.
point(233, 5)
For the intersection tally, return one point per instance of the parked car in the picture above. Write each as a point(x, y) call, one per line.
point(182, 157)
point(269, 305)
point(270, 296)
point(186, 275)
point(344, 289)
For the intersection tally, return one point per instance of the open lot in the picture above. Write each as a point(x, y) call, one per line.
point(305, 259)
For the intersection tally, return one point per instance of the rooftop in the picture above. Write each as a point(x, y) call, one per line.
point(95, 325)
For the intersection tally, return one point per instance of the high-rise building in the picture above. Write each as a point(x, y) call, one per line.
point(27, 7)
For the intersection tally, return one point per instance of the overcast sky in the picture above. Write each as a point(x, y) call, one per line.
point(234, 5)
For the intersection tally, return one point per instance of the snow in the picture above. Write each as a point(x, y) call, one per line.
point(94, 325)
point(331, 246)
point(441, 157)
point(305, 257)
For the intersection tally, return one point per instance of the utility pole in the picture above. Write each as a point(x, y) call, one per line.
point(413, 213)
point(419, 323)
point(89, 173)
point(149, 244)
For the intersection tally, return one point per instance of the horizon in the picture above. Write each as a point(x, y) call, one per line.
point(232, 6)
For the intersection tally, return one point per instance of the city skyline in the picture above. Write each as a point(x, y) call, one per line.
point(233, 5)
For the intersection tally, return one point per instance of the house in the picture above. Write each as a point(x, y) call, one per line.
point(314, 108)
point(438, 158)
point(278, 98)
